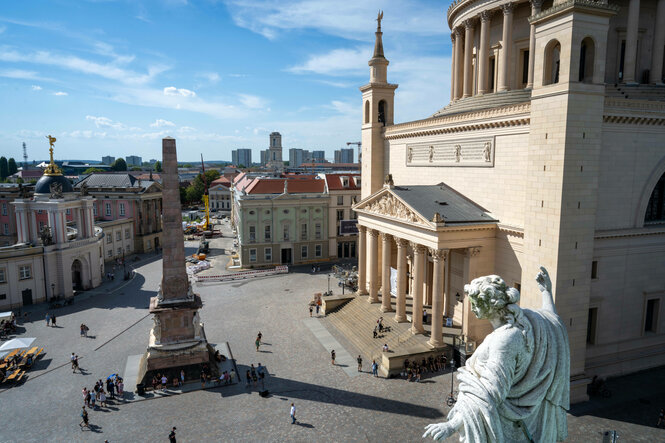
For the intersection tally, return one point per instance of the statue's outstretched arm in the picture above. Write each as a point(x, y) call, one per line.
point(443, 430)
point(545, 286)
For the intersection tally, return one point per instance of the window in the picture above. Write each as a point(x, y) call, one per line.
point(3, 275)
point(366, 111)
point(317, 231)
point(3, 296)
point(303, 231)
point(68, 211)
point(651, 317)
point(594, 269)
point(252, 233)
point(122, 209)
point(552, 63)
point(118, 235)
point(340, 214)
point(109, 239)
point(252, 255)
point(108, 209)
point(119, 251)
point(656, 206)
point(266, 232)
point(4, 209)
point(24, 272)
point(127, 233)
point(525, 66)
point(383, 109)
point(39, 211)
point(317, 250)
point(110, 254)
point(268, 254)
point(303, 252)
point(128, 248)
point(592, 322)
point(345, 182)
point(340, 200)
point(491, 74)
point(285, 234)
point(586, 60)
point(6, 229)
point(94, 210)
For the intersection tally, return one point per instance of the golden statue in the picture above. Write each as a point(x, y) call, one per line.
point(52, 168)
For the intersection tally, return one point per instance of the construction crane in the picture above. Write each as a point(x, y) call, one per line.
point(360, 152)
point(205, 196)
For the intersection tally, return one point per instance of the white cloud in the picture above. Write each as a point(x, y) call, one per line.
point(350, 20)
point(60, 93)
point(105, 122)
point(212, 77)
point(74, 63)
point(172, 90)
point(20, 74)
point(36, 88)
point(345, 107)
point(185, 129)
point(252, 101)
point(337, 62)
point(160, 123)
point(2, 29)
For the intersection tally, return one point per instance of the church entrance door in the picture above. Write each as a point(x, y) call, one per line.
point(76, 275)
point(27, 297)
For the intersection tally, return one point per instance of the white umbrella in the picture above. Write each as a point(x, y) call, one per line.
point(17, 343)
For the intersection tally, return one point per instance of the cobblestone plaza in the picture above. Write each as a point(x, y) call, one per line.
point(331, 405)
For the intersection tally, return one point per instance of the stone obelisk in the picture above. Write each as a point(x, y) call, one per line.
point(177, 338)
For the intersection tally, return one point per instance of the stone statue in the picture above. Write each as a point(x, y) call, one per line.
point(409, 155)
point(45, 236)
point(84, 189)
point(197, 325)
point(431, 154)
point(487, 152)
point(458, 153)
point(157, 330)
point(516, 386)
point(56, 190)
point(379, 17)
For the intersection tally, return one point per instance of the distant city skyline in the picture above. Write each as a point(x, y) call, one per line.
point(107, 77)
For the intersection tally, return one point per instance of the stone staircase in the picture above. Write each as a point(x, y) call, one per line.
point(636, 92)
point(356, 320)
point(485, 101)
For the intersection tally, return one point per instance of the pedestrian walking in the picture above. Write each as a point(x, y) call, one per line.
point(259, 336)
point(332, 356)
point(53, 320)
point(102, 398)
point(375, 369)
point(252, 371)
point(84, 419)
point(182, 377)
point(82, 329)
point(257, 343)
point(172, 435)
point(247, 378)
point(73, 361)
point(360, 363)
point(375, 332)
point(424, 315)
point(121, 388)
point(293, 414)
point(85, 396)
point(48, 319)
point(311, 309)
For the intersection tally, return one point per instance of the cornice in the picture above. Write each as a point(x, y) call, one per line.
point(622, 233)
point(599, 6)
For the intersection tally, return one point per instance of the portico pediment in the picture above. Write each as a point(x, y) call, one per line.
point(386, 204)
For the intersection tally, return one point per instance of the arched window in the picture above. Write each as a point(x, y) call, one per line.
point(586, 60)
point(656, 207)
point(367, 111)
point(552, 63)
point(383, 109)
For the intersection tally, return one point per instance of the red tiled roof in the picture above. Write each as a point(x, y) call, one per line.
point(334, 182)
point(276, 186)
point(221, 181)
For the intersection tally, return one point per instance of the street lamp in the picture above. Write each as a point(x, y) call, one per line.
point(52, 290)
point(452, 376)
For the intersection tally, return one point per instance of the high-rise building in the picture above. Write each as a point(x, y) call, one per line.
point(133, 160)
point(297, 157)
point(242, 157)
point(344, 155)
point(265, 156)
point(108, 160)
point(318, 156)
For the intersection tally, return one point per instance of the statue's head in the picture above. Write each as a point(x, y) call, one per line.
point(489, 296)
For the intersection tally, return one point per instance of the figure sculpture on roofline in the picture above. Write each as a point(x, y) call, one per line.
point(516, 386)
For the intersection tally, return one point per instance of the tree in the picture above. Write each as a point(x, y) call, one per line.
point(11, 164)
point(192, 195)
point(92, 170)
point(119, 165)
point(158, 166)
point(187, 165)
point(4, 169)
point(183, 194)
point(197, 188)
point(137, 168)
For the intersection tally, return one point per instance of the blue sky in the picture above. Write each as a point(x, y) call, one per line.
point(113, 77)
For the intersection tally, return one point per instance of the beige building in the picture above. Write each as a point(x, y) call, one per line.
point(549, 153)
point(344, 191)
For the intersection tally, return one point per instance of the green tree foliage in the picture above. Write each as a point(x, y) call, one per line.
point(197, 188)
point(4, 169)
point(183, 195)
point(158, 166)
point(119, 165)
point(11, 164)
point(92, 170)
point(187, 165)
point(137, 168)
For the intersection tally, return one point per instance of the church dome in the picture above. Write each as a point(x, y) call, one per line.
point(43, 186)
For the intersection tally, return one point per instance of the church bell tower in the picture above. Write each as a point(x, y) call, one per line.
point(378, 112)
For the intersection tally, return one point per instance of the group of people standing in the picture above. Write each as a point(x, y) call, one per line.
point(50, 320)
point(97, 397)
point(413, 371)
point(254, 375)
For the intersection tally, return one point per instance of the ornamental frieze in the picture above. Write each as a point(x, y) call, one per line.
point(477, 152)
point(390, 206)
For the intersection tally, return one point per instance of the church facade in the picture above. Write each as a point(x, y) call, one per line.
point(550, 153)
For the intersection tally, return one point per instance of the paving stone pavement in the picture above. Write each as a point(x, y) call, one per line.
point(331, 406)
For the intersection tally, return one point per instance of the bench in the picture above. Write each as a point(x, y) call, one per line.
point(16, 376)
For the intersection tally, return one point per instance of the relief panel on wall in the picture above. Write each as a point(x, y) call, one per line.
point(475, 152)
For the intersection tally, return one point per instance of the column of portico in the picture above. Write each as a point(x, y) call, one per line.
point(400, 314)
point(458, 74)
point(386, 253)
point(468, 57)
point(452, 67)
point(50, 220)
point(22, 231)
point(536, 5)
point(419, 264)
point(373, 266)
point(362, 260)
point(483, 52)
point(506, 43)
point(630, 53)
point(76, 215)
point(439, 257)
point(656, 72)
point(34, 232)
